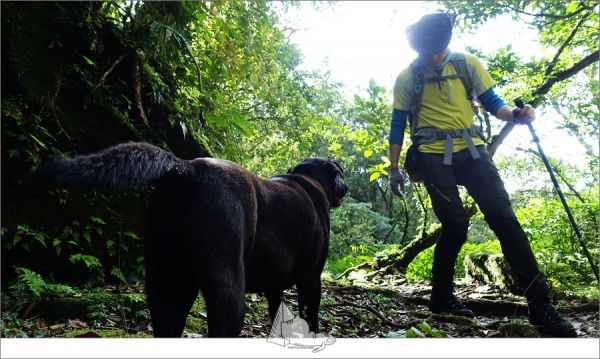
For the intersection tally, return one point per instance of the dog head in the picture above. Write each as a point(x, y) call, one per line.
point(328, 173)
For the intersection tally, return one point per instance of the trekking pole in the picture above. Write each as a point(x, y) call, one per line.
point(519, 103)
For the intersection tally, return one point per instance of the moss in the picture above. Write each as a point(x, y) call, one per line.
point(456, 319)
point(518, 330)
point(490, 269)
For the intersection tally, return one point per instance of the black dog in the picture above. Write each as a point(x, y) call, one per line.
point(214, 226)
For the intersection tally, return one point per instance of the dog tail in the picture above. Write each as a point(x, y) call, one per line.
point(122, 166)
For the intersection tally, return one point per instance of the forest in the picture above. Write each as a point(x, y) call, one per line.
point(222, 79)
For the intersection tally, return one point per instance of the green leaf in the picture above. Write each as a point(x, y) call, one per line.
point(117, 273)
point(12, 153)
point(41, 238)
point(334, 147)
point(37, 141)
point(56, 244)
point(34, 282)
point(97, 220)
point(88, 61)
point(368, 153)
point(572, 6)
point(16, 239)
point(386, 161)
point(374, 176)
point(90, 261)
point(414, 333)
point(87, 234)
point(131, 234)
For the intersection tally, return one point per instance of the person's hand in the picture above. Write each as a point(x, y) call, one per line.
point(396, 181)
point(524, 115)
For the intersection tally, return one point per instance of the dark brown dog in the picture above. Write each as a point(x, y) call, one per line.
point(214, 226)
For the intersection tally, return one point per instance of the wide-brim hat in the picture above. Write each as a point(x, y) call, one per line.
point(431, 34)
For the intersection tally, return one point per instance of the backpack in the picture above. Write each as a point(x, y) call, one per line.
point(430, 135)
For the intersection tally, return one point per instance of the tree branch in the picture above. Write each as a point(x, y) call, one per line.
point(563, 75)
point(499, 138)
point(564, 45)
point(558, 173)
point(552, 16)
point(541, 91)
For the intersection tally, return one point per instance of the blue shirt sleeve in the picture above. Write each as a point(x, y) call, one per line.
point(490, 101)
point(397, 126)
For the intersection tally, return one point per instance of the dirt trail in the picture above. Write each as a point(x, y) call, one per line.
point(374, 312)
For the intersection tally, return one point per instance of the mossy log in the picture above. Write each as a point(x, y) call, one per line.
point(395, 261)
point(491, 269)
point(407, 254)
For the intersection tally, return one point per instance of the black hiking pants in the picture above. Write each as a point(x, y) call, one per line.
point(480, 178)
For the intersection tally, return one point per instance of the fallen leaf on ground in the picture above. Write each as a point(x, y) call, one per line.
point(77, 324)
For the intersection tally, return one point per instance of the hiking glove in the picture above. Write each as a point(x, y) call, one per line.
point(397, 181)
point(522, 116)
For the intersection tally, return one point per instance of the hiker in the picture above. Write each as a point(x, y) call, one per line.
point(433, 96)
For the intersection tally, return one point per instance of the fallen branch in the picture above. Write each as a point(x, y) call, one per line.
point(483, 306)
point(352, 269)
point(377, 313)
point(582, 308)
point(479, 306)
point(110, 69)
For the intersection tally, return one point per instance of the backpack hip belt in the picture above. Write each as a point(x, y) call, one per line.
point(428, 135)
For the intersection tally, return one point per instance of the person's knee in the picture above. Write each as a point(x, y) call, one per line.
point(456, 227)
point(507, 228)
point(502, 218)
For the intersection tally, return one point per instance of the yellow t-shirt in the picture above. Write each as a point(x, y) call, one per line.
point(444, 104)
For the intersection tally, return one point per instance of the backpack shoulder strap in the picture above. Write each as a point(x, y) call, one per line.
point(418, 75)
point(460, 66)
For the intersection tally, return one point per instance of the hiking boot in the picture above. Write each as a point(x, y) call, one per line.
point(449, 304)
point(543, 314)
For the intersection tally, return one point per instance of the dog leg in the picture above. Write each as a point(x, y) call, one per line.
point(170, 303)
point(309, 299)
point(225, 304)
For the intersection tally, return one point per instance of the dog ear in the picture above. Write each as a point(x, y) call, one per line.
point(336, 165)
point(339, 168)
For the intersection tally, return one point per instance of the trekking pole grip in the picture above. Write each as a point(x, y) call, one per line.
point(520, 104)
